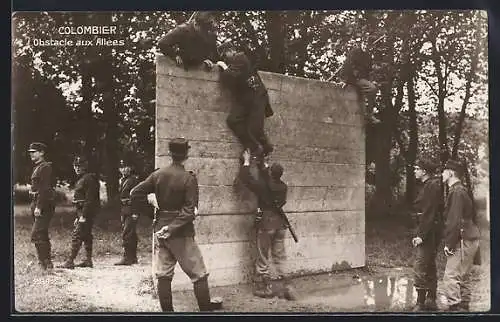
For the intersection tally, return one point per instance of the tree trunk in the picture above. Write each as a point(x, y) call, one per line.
point(276, 35)
point(443, 140)
point(413, 141)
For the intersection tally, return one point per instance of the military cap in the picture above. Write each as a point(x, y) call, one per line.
point(37, 147)
point(427, 165)
point(126, 162)
point(276, 170)
point(178, 146)
point(80, 160)
point(455, 166)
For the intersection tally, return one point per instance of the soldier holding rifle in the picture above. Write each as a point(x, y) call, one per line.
point(271, 224)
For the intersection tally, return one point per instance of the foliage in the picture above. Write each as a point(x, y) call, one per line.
point(428, 53)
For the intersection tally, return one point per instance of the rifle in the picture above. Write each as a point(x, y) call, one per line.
point(287, 222)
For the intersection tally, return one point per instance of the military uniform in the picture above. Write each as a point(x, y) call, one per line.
point(461, 235)
point(271, 193)
point(128, 220)
point(191, 44)
point(176, 192)
point(87, 203)
point(356, 71)
point(429, 203)
point(42, 198)
point(246, 117)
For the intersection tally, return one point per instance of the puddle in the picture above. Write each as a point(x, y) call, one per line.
point(379, 293)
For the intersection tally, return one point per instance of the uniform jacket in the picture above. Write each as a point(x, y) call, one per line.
point(245, 83)
point(126, 184)
point(429, 203)
point(459, 214)
point(87, 194)
point(357, 65)
point(193, 46)
point(176, 190)
point(42, 185)
point(269, 192)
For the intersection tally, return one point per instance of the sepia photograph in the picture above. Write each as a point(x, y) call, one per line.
point(332, 161)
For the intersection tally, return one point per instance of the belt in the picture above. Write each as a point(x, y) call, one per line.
point(125, 202)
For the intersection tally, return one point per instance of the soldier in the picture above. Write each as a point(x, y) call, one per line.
point(176, 193)
point(246, 117)
point(42, 203)
point(87, 202)
point(128, 218)
point(356, 71)
point(461, 235)
point(429, 204)
point(271, 193)
point(192, 43)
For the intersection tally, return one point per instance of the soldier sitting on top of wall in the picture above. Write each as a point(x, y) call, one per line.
point(356, 71)
point(246, 117)
point(192, 43)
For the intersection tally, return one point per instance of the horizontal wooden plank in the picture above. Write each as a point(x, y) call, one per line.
point(230, 150)
point(238, 258)
point(225, 172)
point(213, 229)
point(198, 94)
point(211, 126)
point(239, 199)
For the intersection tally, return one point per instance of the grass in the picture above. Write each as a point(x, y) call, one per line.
point(387, 246)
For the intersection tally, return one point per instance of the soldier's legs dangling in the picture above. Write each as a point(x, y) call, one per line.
point(368, 91)
point(237, 121)
point(256, 126)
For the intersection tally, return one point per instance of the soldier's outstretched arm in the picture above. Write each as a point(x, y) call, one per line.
point(139, 194)
point(186, 214)
point(239, 67)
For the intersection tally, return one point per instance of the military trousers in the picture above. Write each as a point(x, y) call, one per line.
point(129, 230)
point(183, 250)
point(40, 228)
point(270, 250)
point(368, 91)
point(246, 120)
point(425, 269)
point(82, 233)
point(457, 282)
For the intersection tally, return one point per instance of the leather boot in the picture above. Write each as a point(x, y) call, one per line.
point(165, 294)
point(46, 255)
point(420, 306)
point(202, 293)
point(40, 255)
point(69, 263)
point(463, 306)
point(430, 301)
point(263, 288)
point(87, 262)
point(127, 257)
point(133, 253)
point(289, 291)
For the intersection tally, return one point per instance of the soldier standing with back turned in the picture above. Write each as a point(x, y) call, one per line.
point(42, 203)
point(128, 218)
point(86, 201)
point(176, 193)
